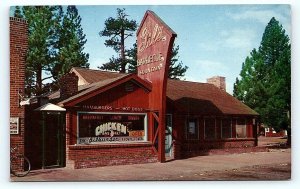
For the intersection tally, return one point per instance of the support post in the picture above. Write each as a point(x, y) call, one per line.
point(43, 140)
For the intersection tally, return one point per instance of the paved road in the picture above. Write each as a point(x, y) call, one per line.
point(273, 165)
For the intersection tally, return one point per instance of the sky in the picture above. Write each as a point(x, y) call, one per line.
point(213, 39)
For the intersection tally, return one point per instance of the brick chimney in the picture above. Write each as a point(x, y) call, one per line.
point(218, 81)
point(68, 85)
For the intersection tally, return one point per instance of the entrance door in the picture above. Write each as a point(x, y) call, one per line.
point(168, 139)
point(53, 140)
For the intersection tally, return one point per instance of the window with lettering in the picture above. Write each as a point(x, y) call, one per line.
point(97, 128)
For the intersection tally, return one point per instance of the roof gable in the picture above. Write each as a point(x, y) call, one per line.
point(93, 89)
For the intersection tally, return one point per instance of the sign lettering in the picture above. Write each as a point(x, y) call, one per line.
point(109, 128)
point(14, 125)
point(149, 38)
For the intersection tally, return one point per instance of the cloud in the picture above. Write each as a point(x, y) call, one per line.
point(207, 68)
point(239, 38)
point(263, 16)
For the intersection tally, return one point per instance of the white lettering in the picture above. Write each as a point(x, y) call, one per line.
point(110, 126)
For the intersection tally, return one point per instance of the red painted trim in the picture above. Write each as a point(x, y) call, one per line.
point(99, 90)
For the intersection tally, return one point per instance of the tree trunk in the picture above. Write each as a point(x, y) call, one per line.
point(38, 81)
point(123, 64)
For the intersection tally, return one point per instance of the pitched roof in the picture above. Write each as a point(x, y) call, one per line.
point(204, 97)
point(92, 76)
point(207, 96)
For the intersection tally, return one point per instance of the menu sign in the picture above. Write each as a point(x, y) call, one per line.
point(96, 128)
point(14, 125)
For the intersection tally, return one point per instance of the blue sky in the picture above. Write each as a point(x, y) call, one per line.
point(213, 39)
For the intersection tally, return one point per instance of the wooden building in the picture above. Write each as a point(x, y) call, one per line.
point(107, 120)
point(100, 118)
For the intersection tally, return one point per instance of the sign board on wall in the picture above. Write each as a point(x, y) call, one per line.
point(111, 127)
point(14, 125)
point(154, 45)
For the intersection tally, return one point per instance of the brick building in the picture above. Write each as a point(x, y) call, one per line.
point(18, 49)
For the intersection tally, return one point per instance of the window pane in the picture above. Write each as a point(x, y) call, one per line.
point(192, 129)
point(226, 128)
point(210, 128)
point(94, 128)
point(241, 129)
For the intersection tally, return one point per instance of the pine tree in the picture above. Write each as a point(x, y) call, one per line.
point(41, 26)
point(70, 44)
point(265, 78)
point(55, 44)
point(118, 30)
point(176, 69)
point(18, 12)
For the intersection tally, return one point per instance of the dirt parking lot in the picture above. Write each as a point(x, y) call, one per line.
point(273, 164)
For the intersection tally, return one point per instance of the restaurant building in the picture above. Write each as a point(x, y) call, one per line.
point(99, 118)
point(107, 121)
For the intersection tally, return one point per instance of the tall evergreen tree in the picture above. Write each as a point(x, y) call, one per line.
point(41, 26)
point(55, 44)
point(176, 70)
point(265, 78)
point(70, 44)
point(118, 30)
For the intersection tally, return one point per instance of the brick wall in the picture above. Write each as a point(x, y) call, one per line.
point(18, 49)
point(195, 148)
point(86, 156)
point(68, 85)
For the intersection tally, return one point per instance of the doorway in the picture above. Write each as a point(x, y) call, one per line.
point(53, 140)
point(168, 137)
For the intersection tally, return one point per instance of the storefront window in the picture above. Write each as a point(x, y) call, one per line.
point(241, 128)
point(100, 127)
point(210, 128)
point(226, 128)
point(192, 129)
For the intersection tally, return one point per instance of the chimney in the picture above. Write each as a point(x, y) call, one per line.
point(217, 81)
point(68, 85)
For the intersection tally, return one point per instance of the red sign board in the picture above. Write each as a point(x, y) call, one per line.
point(154, 42)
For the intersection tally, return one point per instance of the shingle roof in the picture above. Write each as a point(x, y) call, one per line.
point(203, 97)
point(92, 76)
point(206, 98)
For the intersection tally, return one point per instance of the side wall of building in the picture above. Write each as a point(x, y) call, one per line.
point(18, 49)
point(186, 145)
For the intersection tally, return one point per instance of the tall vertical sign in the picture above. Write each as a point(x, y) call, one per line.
point(154, 45)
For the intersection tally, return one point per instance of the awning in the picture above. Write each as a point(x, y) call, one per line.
point(50, 107)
